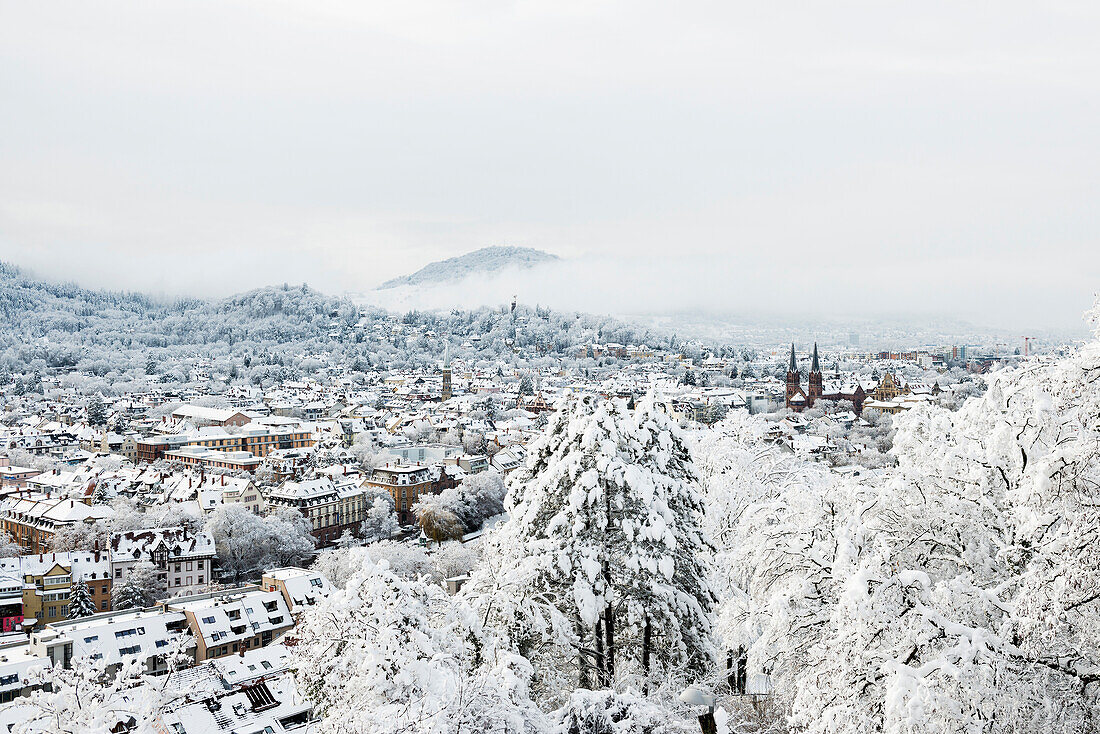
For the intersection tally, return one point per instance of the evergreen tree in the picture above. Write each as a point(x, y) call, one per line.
point(525, 386)
point(80, 600)
point(97, 411)
point(614, 538)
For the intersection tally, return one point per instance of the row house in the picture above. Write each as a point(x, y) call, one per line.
point(32, 521)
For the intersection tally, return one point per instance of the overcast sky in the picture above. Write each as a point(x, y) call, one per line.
point(849, 157)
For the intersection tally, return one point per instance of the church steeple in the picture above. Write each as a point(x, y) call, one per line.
point(815, 389)
point(447, 391)
point(794, 383)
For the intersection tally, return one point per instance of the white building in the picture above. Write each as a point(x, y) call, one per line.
point(185, 560)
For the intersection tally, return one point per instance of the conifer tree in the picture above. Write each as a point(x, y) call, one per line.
point(80, 600)
point(613, 537)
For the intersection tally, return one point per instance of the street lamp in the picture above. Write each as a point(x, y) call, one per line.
point(696, 695)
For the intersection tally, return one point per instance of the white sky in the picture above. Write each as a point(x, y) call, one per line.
point(819, 157)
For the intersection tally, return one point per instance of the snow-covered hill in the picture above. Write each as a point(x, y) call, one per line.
point(479, 262)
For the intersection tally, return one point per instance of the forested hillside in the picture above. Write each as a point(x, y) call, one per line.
point(118, 339)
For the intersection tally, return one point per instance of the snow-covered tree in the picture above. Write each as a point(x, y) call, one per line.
point(97, 411)
point(604, 523)
point(139, 587)
point(381, 520)
point(387, 655)
point(92, 697)
point(8, 547)
point(476, 498)
point(81, 603)
point(955, 592)
point(437, 522)
point(247, 543)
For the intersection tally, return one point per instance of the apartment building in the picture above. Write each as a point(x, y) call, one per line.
point(32, 520)
point(47, 580)
point(301, 588)
point(145, 635)
point(185, 560)
point(405, 483)
point(226, 622)
point(332, 506)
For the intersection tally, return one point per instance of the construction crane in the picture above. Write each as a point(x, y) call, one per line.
point(1027, 344)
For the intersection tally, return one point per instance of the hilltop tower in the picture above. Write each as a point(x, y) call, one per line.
point(446, 373)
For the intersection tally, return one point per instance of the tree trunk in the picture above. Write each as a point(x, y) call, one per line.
point(601, 661)
point(647, 642)
point(609, 630)
point(582, 661)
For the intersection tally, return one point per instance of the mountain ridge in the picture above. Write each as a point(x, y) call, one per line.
point(485, 260)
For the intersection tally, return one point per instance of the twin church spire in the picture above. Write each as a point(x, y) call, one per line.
point(815, 364)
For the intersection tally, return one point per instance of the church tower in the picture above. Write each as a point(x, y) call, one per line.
point(446, 373)
point(816, 389)
point(794, 382)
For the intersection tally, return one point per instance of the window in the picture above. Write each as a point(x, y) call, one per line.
point(162, 643)
point(132, 650)
point(265, 664)
point(315, 582)
point(93, 638)
point(64, 610)
point(125, 633)
point(208, 620)
point(190, 566)
point(103, 605)
point(200, 579)
point(53, 612)
point(104, 588)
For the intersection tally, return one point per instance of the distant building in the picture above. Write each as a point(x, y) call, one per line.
point(446, 373)
point(405, 483)
point(332, 507)
point(32, 522)
point(202, 416)
point(799, 399)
